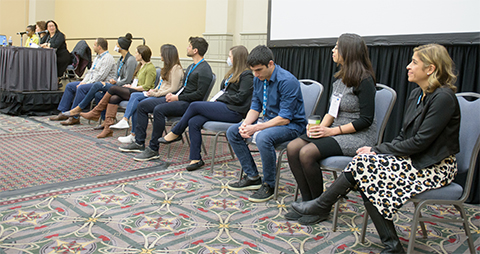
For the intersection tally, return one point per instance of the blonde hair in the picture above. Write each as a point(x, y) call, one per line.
point(443, 75)
point(240, 54)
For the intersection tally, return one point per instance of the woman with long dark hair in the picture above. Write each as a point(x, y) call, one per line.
point(171, 77)
point(348, 125)
point(229, 105)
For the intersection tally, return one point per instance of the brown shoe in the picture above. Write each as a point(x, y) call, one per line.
point(71, 121)
point(59, 117)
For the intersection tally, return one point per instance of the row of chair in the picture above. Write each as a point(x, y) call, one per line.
point(453, 194)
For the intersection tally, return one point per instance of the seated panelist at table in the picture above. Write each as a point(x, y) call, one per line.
point(56, 39)
point(32, 38)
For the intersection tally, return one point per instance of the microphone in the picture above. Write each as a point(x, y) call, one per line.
point(21, 33)
point(42, 32)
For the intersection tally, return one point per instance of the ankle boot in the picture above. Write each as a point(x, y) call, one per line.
point(323, 204)
point(385, 229)
point(96, 112)
point(109, 120)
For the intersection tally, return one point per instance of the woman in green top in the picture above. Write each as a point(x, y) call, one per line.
point(144, 80)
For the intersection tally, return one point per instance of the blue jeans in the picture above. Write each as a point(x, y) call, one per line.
point(87, 97)
point(196, 115)
point(160, 109)
point(131, 110)
point(267, 139)
point(68, 96)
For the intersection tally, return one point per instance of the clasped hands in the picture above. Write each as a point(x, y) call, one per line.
point(171, 97)
point(247, 130)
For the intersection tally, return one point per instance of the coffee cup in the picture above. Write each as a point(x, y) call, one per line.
point(314, 120)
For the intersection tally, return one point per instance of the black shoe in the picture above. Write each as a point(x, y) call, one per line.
point(163, 141)
point(292, 215)
point(245, 184)
point(263, 194)
point(195, 166)
point(312, 219)
point(147, 154)
point(132, 148)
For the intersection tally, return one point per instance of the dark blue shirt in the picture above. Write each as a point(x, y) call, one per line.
point(284, 98)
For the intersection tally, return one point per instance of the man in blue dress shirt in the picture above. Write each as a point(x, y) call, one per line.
point(276, 115)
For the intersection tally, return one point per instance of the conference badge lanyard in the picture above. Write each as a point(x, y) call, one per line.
point(335, 102)
point(98, 59)
point(262, 119)
point(119, 68)
point(221, 92)
point(186, 78)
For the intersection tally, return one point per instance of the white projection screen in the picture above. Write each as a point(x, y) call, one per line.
point(380, 22)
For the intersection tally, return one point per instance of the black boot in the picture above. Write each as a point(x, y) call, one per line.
point(385, 229)
point(322, 205)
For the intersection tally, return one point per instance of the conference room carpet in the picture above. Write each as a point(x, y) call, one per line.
point(170, 210)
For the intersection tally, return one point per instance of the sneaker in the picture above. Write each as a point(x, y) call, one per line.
point(264, 194)
point(132, 148)
point(245, 184)
point(127, 140)
point(147, 154)
point(122, 124)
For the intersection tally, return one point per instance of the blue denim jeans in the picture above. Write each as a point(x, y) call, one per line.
point(87, 97)
point(160, 109)
point(68, 96)
point(131, 110)
point(196, 115)
point(266, 141)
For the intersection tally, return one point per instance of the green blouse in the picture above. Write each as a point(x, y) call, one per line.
point(146, 76)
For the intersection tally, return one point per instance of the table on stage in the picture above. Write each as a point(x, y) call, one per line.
point(28, 69)
point(28, 81)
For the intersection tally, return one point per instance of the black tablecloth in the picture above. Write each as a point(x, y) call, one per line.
point(28, 69)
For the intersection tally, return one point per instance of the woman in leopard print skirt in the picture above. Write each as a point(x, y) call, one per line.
point(420, 158)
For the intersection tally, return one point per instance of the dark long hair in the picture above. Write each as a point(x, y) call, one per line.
point(146, 53)
point(170, 57)
point(356, 63)
point(240, 54)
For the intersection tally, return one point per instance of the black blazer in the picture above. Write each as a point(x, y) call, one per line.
point(238, 96)
point(430, 129)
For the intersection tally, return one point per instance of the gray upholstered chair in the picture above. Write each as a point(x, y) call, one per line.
point(384, 101)
point(453, 194)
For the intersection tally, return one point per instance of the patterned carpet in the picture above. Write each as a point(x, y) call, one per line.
point(176, 211)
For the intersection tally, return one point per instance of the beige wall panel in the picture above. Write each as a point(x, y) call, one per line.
point(13, 18)
point(158, 21)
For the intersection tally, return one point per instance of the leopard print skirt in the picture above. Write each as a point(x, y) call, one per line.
point(390, 181)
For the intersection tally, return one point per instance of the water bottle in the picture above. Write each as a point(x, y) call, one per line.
point(10, 43)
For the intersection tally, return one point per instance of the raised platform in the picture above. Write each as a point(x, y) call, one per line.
point(30, 103)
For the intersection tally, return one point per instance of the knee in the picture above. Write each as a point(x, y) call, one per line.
point(72, 86)
point(232, 132)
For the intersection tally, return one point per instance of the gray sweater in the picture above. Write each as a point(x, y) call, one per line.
point(127, 70)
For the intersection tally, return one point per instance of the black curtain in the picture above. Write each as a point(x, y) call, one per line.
point(389, 64)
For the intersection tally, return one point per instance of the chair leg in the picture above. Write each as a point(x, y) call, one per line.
point(413, 229)
point(364, 226)
point(296, 193)
point(336, 208)
point(466, 226)
point(214, 150)
point(277, 177)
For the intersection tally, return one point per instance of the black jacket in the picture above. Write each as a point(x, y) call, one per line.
point(430, 129)
point(238, 96)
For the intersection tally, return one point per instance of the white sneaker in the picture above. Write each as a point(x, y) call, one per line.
point(122, 124)
point(127, 140)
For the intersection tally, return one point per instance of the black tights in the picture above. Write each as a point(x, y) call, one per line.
point(303, 159)
point(120, 94)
